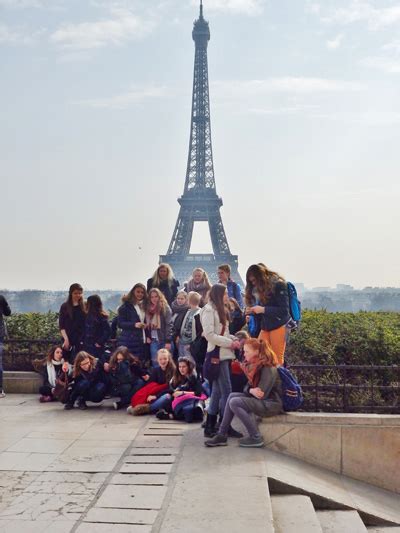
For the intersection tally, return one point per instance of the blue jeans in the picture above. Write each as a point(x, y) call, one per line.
point(1, 365)
point(163, 402)
point(92, 392)
point(154, 347)
point(220, 389)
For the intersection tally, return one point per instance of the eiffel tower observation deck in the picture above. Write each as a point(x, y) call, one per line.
point(200, 202)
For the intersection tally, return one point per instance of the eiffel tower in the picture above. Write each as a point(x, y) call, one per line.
point(199, 202)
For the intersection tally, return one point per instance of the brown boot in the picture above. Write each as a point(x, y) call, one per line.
point(142, 409)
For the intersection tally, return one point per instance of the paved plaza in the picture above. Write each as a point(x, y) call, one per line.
point(102, 470)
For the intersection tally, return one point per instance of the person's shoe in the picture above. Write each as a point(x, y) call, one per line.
point(68, 406)
point(45, 399)
point(217, 440)
point(210, 429)
point(117, 405)
point(142, 409)
point(251, 442)
point(2, 393)
point(129, 410)
point(235, 434)
point(162, 414)
point(82, 404)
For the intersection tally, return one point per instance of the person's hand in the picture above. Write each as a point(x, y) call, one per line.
point(151, 398)
point(106, 367)
point(178, 393)
point(97, 345)
point(52, 390)
point(139, 325)
point(258, 309)
point(65, 367)
point(66, 345)
point(146, 377)
point(235, 345)
point(257, 393)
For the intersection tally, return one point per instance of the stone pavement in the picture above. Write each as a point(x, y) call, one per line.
point(101, 470)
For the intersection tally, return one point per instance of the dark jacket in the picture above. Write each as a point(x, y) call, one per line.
point(191, 384)
point(277, 312)
point(130, 336)
point(169, 292)
point(75, 325)
point(97, 331)
point(4, 311)
point(157, 376)
point(93, 377)
point(165, 333)
point(270, 383)
point(123, 374)
point(237, 320)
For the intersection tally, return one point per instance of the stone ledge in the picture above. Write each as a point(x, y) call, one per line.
point(22, 382)
point(364, 447)
point(340, 419)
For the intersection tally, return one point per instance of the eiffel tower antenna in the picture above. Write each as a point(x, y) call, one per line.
point(199, 201)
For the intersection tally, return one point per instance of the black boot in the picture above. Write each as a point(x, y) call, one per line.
point(210, 430)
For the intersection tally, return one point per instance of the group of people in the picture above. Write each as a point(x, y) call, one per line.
point(161, 336)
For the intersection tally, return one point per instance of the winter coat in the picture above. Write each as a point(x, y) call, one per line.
point(234, 291)
point(75, 325)
point(190, 384)
point(212, 331)
point(168, 291)
point(4, 311)
point(97, 331)
point(165, 333)
point(130, 336)
point(277, 312)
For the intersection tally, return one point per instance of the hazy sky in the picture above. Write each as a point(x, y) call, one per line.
point(94, 130)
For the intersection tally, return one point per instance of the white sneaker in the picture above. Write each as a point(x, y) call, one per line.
point(2, 394)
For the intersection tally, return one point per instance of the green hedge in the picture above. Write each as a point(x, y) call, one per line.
point(325, 338)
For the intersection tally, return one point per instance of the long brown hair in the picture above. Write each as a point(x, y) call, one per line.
point(265, 353)
point(177, 378)
point(162, 303)
point(81, 356)
point(216, 297)
point(131, 298)
point(264, 281)
point(132, 360)
point(38, 363)
point(94, 306)
point(70, 307)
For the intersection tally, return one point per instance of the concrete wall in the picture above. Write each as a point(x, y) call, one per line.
point(364, 447)
point(22, 382)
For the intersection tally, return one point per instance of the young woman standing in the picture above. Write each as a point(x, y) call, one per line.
point(163, 279)
point(200, 283)
point(215, 322)
point(159, 323)
point(72, 320)
point(132, 321)
point(267, 300)
point(97, 328)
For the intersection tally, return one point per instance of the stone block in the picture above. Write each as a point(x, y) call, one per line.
point(132, 497)
point(22, 382)
point(121, 516)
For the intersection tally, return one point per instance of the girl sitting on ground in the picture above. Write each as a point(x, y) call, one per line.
point(89, 383)
point(52, 368)
point(262, 396)
point(151, 398)
point(185, 400)
point(126, 376)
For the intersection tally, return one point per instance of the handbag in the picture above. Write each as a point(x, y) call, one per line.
point(212, 362)
point(62, 390)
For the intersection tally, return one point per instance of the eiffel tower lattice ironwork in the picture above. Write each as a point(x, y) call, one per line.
point(200, 202)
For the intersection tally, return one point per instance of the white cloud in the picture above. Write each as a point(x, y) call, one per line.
point(300, 85)
point(126, 99)
point(394, 46)
point(335, 43)
point(385, 64)
point(248, 7)
point(362, 11)
point(17, 36)
point(123, 26)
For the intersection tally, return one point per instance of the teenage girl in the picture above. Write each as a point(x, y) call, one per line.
point(97, 327)
point(262, 396)
point(52, 368)
point(89, 383)
point(159, 323)
point(72, 319)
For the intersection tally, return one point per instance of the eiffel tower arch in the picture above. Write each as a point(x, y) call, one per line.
point(200, 202)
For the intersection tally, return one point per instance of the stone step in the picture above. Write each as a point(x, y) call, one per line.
point(383, 529)
point(294, 514)
point(327, 490)
point(22, 382)
point(341, 521)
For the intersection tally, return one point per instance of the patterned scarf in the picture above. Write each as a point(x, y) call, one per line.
point(153, 316)
point(252, 370)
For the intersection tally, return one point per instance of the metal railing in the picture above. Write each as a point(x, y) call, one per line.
point(326, 388)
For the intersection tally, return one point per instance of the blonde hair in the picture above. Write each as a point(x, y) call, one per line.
point(163, 304)
point(156, 276)
point(170, 370)
point(194, 298)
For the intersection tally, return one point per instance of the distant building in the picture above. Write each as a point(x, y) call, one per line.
point(344, 287)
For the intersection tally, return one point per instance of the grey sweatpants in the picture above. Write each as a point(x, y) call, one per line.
point(245, 407)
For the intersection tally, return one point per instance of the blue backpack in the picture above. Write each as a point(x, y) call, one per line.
point(292, 396)
point(294, 302)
